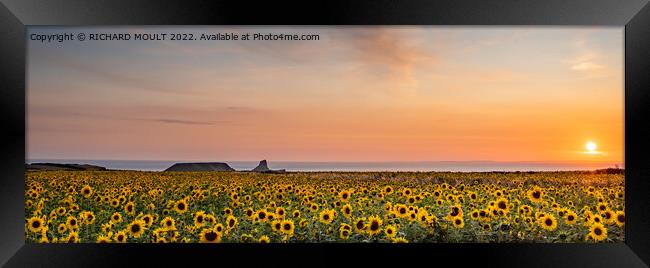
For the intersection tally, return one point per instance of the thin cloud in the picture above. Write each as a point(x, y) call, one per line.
point(184, 122)
point(110, 75)
point(587, 66)
point(64, 113)
point(386, 53)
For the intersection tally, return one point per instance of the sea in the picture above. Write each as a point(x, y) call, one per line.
point(452, 166)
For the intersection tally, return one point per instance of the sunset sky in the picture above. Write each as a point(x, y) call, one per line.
point(357, 94)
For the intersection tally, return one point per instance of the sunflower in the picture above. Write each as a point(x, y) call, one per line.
point(360, 225)
point(277, 225)
point(136, 228)
point(62, 228)
point(399, 240)
point(129, 208)
point(209, 236)
point(296, 214)
point(88, 217)
point(231, 221)
point(345, 227)
point(61, 211)
point(249, 213)
point(261, 215)
point(474, 214)
point(401, 210)
point(168, 224)
point(455, 212)
point(601, 207)
point(535, 194)
point(326, 216)
point(374, 225)
point(115, 203)
point(103, 239)
point(72, 223)
point(596, 219)
point(264, 239)
point(35, 224)
point(218, 227)
point(388, 190)
point(227, 211)
point(347, 211)
point(390, 231)
point(458, 222)
point(502, 204)
point(548, 222)
point(199, 218)
point(486, 227)
point(280, 212)
point(116, 218)
point(608, 217)
point(181, 206)
point(620, 218)
point(344, 195)
point(86, 191)
point(288, 227)
point(209, 218)
point(598, 232)
point(570, 218)
point(147, 219)
point(73, 237)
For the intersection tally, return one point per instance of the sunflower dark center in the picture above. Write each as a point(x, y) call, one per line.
point(454, 212)
point(374, 226)
point(621, 218)
point(181, 206)
point(598, 231)
point(502, 205)
point(211, 236)
point(536, 194)
point(135, 228)
point(548, 222)
point(360, 225)
point(287, 227)
point(36, 224)
point(570, 217)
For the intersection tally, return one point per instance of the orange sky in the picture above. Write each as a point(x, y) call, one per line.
point(358, 94)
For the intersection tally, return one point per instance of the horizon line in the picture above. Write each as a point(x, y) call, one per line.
point(336, 161)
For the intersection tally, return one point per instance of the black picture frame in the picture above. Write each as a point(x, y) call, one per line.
point(634, 16)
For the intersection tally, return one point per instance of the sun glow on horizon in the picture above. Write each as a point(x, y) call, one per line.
point(591, 148)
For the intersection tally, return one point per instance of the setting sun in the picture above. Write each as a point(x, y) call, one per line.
point(591, 147)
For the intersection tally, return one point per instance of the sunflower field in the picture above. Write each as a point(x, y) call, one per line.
point(321, 207)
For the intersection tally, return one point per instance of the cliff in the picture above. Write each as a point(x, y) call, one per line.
point(210, 166)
